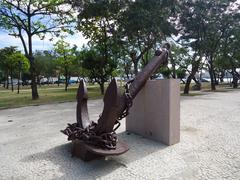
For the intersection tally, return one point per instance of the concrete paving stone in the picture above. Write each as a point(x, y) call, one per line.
point(32, 147)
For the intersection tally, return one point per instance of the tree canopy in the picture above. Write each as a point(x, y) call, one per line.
point(123, 36)
point(27, 18)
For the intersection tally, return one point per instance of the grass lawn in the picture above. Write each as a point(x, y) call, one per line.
point(48, 94)
point(54, 94)
point(192, 94)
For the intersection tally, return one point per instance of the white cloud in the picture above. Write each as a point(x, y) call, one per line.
point(76, 39)
point(46, 44)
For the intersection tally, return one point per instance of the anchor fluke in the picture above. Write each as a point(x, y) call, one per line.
point(83, 120)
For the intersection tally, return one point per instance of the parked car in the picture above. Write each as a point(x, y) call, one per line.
point(60, 81)
point(15, 82)
point(26, 83)
point(72, 81)
point(204, 80)
point(43, 81)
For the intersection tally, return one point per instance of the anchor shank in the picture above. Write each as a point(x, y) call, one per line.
point(142, 78)
point(134, 88)
point(146, 73)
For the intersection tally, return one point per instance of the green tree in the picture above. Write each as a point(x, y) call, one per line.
point(98, 23)
point(78, 69)
point(165, 71)
point(45, 65)
point(219, 20)
point(181, 73)
point(25, 19)
point(97, 71)
point(65, 59)
point(5, 53)
point(228, 58)
point(19, 64)
point(203, 24)
point(11, 60)
point(142, 25)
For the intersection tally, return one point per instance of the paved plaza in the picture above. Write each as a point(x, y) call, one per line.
point(32, 147)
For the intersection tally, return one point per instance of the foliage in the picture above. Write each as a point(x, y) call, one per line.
point(142, 25)
point(98, 23)
point(18, 59)
point(98, 69)
point(25, 19)
point(165, 71)
point(12, 64)
point(11, 59)
point(45, 64)
point(181, 73)
point(123, 36)
point(203, 25)
point(34, 17)
point(65, 59)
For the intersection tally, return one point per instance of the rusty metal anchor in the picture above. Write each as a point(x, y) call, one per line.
point(92, 140)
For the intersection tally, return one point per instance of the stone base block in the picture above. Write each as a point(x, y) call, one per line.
point(156, 111)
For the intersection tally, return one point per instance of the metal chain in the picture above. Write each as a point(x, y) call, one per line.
point(104, 140)
point(88, 135)
point(128, 100)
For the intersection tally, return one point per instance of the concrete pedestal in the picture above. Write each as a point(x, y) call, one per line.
point(155, 113)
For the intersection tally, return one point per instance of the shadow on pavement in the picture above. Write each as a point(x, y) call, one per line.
point(73, 168)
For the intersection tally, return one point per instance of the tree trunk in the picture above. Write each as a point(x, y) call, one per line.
point(211, 73)
point(235, 78)
point(195, 80)
point(7, 80)
point(187, 85)
point(19, 76)
point(39, 80)
point(213, 87)
point(135, 65)
point(66, 78)
point(188, 82)
point(58, 80)
point(33, 75)
point(66, 83)
point(195, 66)
point(183, 81)
point(198, 84)
point(11, 74)
point(126, 70)
point(173, 68)
point(235, 74)
point(4, 84)
point(79, 79)
point(18, 86)
point(127, 76)
point(215, 77)
point(222, 76)
point(102, 87)
point(48, 81)
point(235, 82)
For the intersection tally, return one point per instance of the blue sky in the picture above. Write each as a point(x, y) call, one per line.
point(6, 40)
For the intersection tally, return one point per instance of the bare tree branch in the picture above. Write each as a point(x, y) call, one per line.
point(16, 6)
